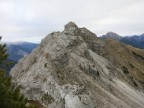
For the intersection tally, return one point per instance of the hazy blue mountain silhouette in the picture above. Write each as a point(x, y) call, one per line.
point(17, 50)
point(135, 40)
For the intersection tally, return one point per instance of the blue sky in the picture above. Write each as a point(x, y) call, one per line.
point(32, 20)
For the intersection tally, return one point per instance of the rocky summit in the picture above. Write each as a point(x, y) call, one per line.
point(75, 69)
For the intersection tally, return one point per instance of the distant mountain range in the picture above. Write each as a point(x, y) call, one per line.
point(135, 40)
point(17, 50)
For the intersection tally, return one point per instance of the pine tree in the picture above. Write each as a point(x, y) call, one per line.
point(10, 97)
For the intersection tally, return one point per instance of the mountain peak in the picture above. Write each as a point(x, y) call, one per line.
point(71, 28)
point(142, 34)
point(112, 35)
point(71, 25)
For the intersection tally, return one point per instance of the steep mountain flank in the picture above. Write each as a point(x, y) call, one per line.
point(75, 69)
point(127, 58)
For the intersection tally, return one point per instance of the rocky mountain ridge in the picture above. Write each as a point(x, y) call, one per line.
point(75, 69)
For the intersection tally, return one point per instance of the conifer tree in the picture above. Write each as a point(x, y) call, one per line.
point(10, 97)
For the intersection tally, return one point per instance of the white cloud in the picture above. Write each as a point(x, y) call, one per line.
point(29, 20)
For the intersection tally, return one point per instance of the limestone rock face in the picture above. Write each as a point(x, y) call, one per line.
point(72, 69)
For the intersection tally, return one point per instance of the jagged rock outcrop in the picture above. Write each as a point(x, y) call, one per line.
point(74, 69)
